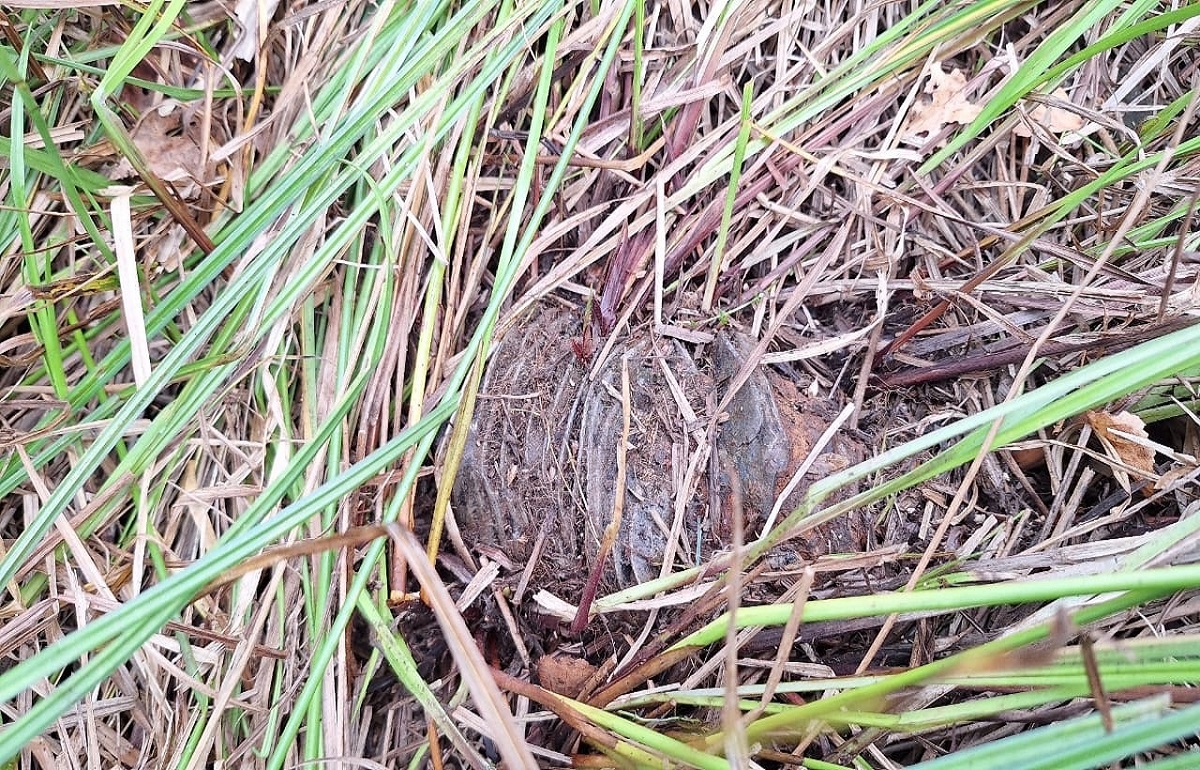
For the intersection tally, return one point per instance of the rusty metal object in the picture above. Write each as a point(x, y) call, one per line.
point(539, 467)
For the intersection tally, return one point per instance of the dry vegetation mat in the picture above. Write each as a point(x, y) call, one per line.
point(609, 384)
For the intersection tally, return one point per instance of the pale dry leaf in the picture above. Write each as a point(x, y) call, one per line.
point(1119, 433)
point(1056, 120)
point(252, 18)
point(172, 152)
point(1176, 477)
point(947, 103)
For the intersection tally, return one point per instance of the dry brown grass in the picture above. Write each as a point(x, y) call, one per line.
point(913, 297)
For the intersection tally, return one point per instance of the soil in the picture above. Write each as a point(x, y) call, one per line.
point(539, 470)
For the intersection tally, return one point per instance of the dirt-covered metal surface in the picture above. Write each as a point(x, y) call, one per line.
point(539, 471)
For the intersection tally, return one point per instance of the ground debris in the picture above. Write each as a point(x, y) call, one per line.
point(539, 469)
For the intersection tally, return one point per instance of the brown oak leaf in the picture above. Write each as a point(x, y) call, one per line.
point(947, 103)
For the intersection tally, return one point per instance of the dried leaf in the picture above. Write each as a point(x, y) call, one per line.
point(171, 150)
point(253, 17)
point(1056, 120)
point(1119, 433)
point(947, 103)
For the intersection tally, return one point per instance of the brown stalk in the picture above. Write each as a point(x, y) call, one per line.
point(558, 704)
point(1099, 696)
point(984, 362)
point(14, 39)
point(165, 192)
point(614, 524)
point(271, 556)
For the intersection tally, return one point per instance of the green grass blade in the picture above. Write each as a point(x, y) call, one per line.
point(1081, 743)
